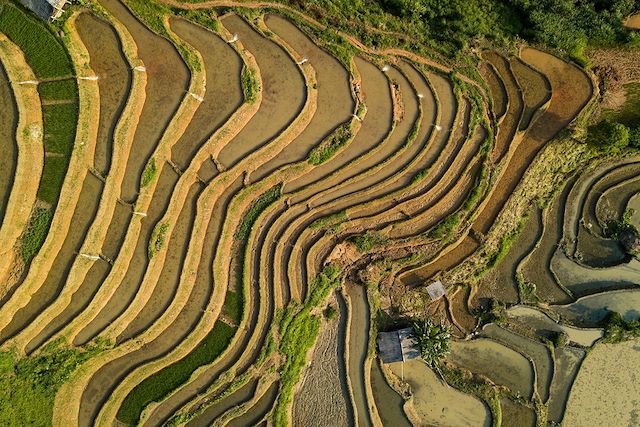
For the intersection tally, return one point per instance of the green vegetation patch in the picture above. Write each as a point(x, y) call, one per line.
point(150, 171)
point(260, 204)
point(162, 383)
point(233, 306)
point(445, 227)
point(250, 85)
point(616, 329)
point(58, 90)
point(60, 127)
point(158, 239)
point(365, 242)
point(44, 53)
point(629, 113)
point(330, 145)
point(35, 233)
point(299, 330)
point(55, 169)
point(28, 385)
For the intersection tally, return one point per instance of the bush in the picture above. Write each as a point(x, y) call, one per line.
point(149, 173)
point(559, 339)
point(634, 137)
point(608, 137)
point(616, 329)
point(434, 341)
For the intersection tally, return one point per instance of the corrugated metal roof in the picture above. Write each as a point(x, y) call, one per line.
point(45, 9)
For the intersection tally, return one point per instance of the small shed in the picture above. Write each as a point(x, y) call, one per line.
point(45, 9)
point(397, 346)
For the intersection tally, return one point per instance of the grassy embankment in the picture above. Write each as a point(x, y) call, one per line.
point(299, 328)
point(28, 385)
point(48, 58)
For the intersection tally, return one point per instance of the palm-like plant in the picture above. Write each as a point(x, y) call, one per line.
point(433, 341)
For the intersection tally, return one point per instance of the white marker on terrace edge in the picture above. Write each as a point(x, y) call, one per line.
point(91, 257)
point(385, 68)
point(303, 60)
point(438, 127)
point(140, 213)
point(141, 68)
point(90, 78)
point(233, 39)
point(29, 82)
point(355, 116)
point(420, 96)
point(197, 97)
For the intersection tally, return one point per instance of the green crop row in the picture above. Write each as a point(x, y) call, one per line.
point(44, 53)
point(58, 90)
point(160, 384)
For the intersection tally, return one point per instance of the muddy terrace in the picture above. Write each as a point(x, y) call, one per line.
point(231, 205)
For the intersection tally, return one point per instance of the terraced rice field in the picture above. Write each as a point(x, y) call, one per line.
point(209, 211)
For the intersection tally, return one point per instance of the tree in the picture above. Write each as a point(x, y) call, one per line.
point(607, 136)
point(634, 137)
point(433, 340)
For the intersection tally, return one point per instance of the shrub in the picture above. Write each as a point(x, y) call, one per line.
point(250, 217)
point(366, 242)
point(608, 137)
point(634, 137)
point(433, 340)
point(559, 339)
point(616, 329)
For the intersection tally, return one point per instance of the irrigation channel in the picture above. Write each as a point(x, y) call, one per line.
point(246, 198)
